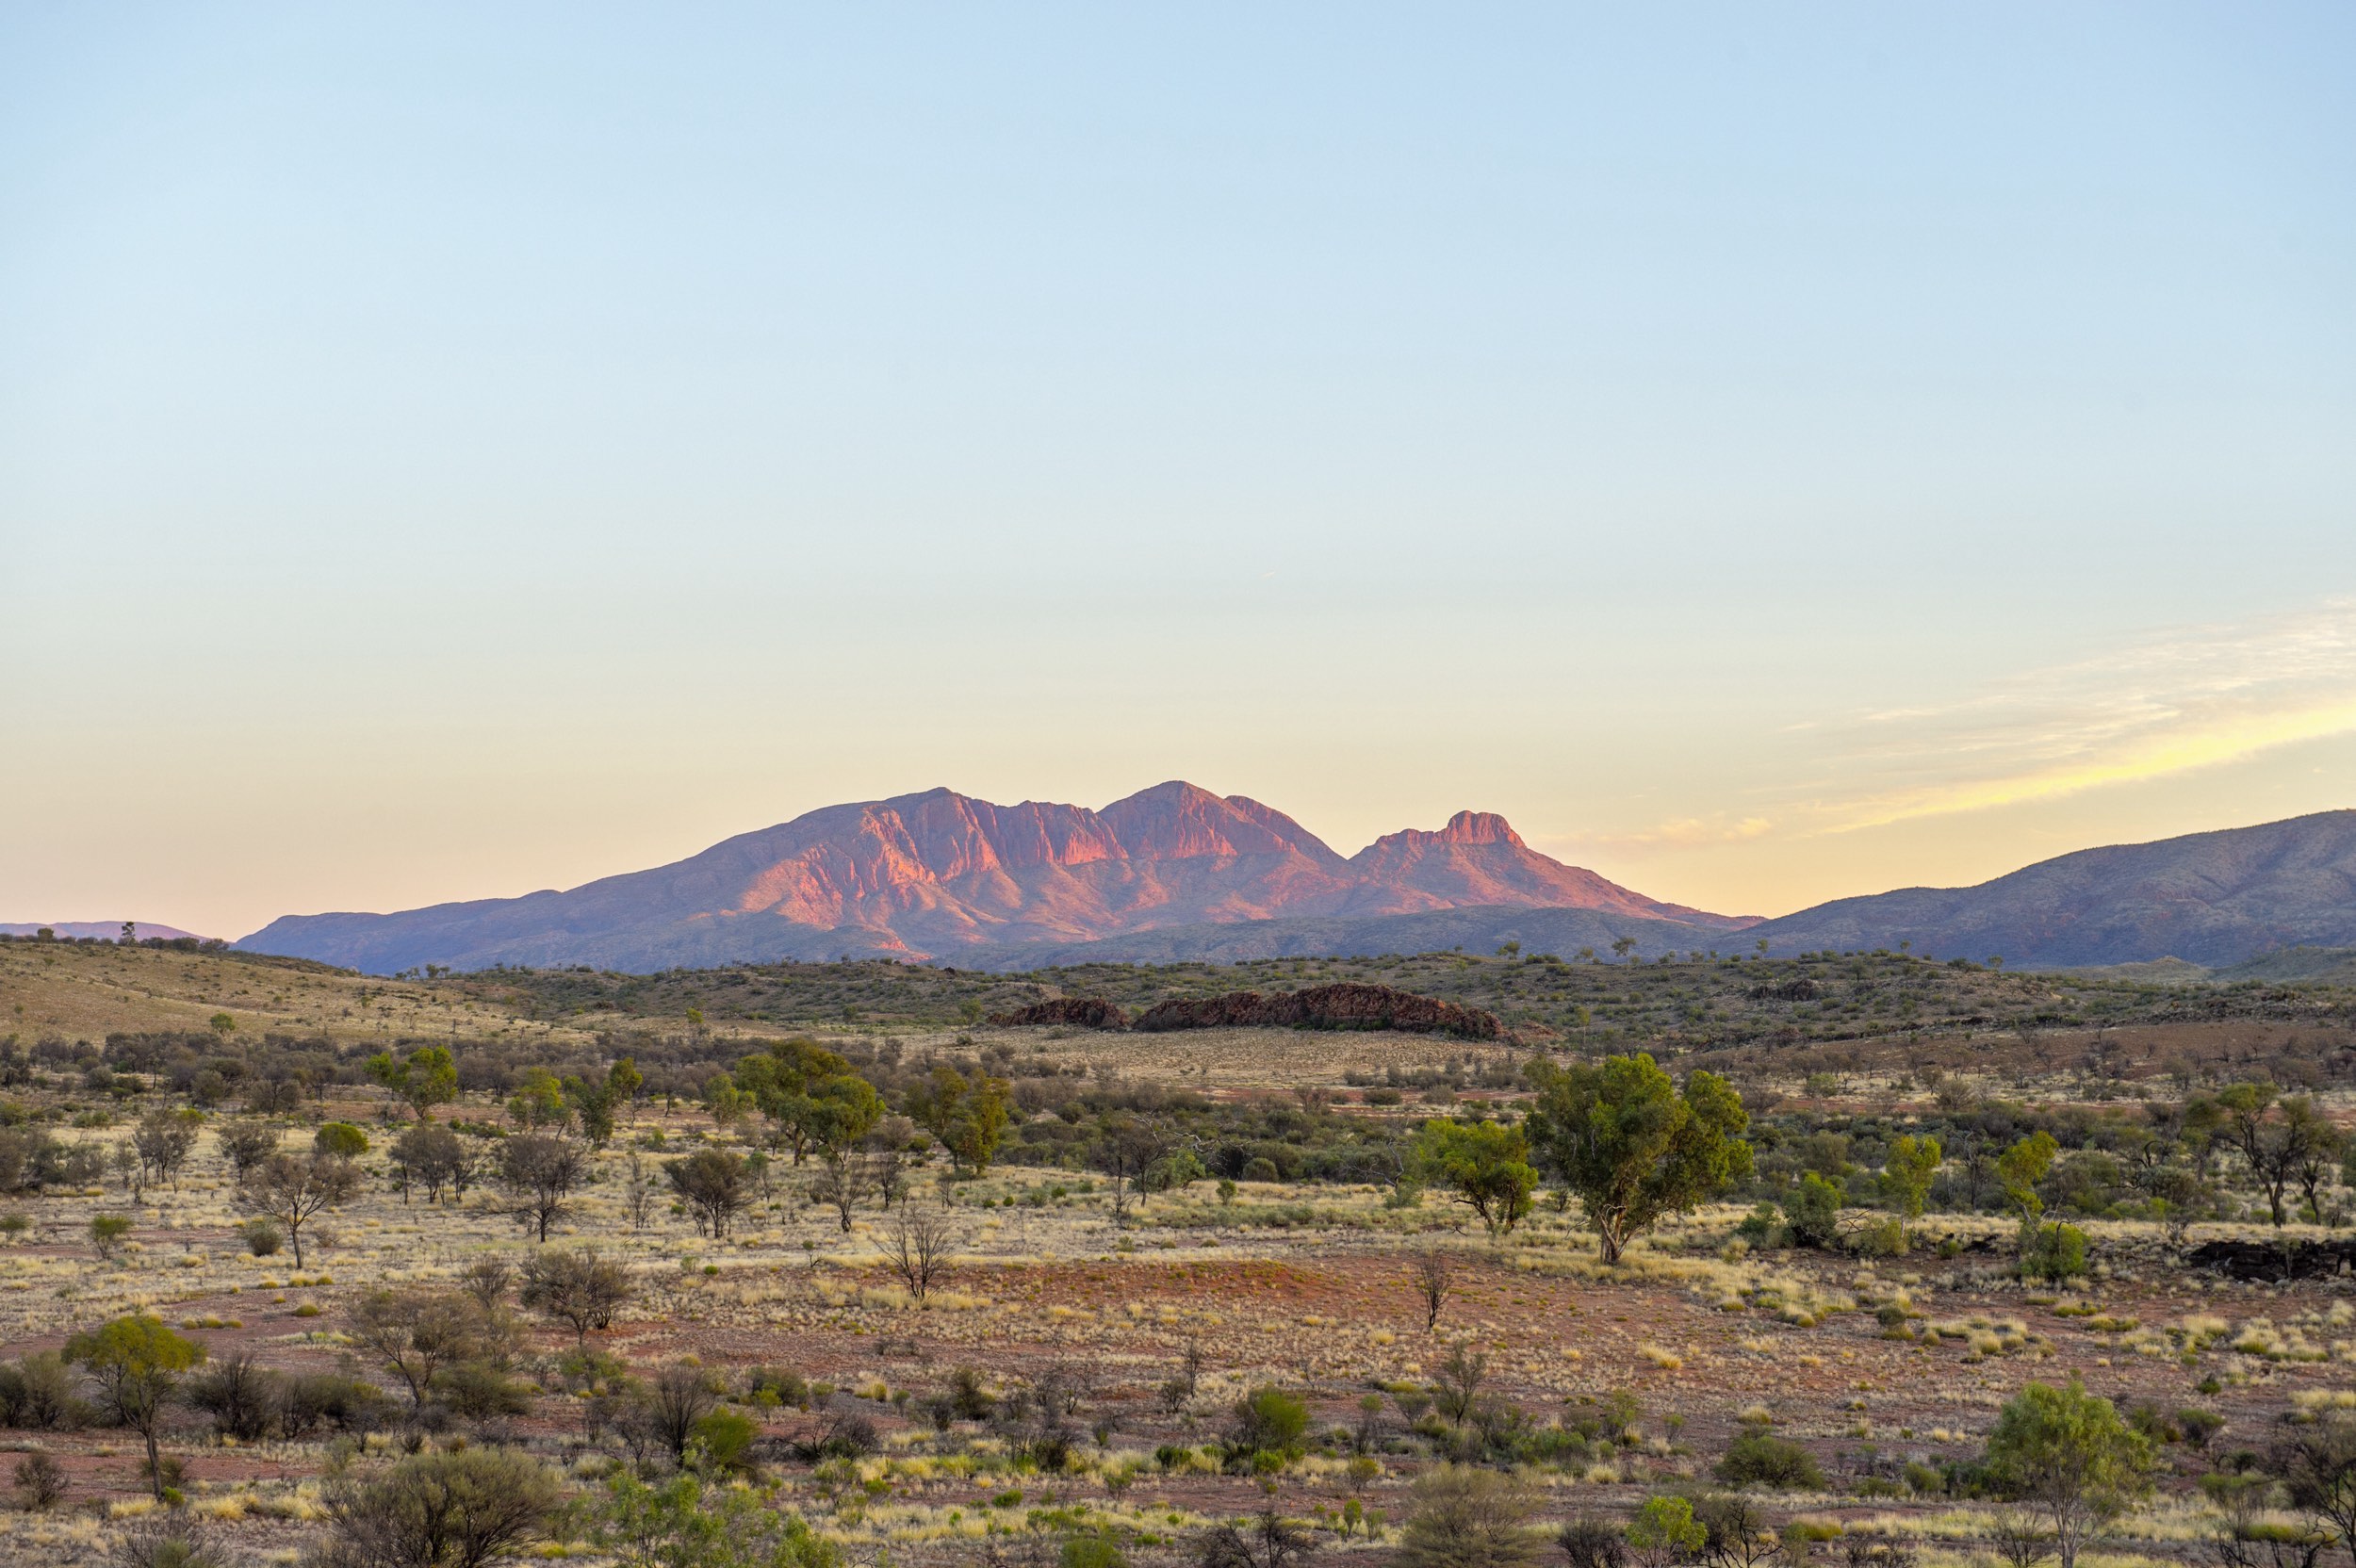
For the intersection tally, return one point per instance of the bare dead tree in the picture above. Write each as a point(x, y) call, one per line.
point(918, 1246)
point(2018, 1539)
point(1434, 1274)
point(638, 1194)
point(841, 1182)
point(487, 1280)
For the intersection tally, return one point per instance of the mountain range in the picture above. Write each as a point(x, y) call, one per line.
point(943, 876)
point(1177, 873)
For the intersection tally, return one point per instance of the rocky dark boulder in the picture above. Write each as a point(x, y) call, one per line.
point(1324, 1007)
point(1085, 1012)
point(2273, 1261)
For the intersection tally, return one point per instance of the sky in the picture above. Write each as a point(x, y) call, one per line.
point(1769, 453)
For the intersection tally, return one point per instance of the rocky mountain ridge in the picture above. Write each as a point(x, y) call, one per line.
point(1176, 873)
point(937, 874)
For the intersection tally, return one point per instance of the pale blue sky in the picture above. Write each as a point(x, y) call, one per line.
point(459, 450)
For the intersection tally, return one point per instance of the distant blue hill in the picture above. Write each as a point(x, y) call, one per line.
point(2215, 898)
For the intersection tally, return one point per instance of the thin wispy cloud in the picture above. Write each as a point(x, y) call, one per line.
point(2184, 698)
point(2167, 702)
point(1691, 832)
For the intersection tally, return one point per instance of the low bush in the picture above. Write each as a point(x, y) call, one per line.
point(1762, 1458)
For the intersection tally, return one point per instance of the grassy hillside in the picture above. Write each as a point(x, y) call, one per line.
point(85, 991)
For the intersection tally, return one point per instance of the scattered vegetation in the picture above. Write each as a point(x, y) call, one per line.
point(2040, 1269)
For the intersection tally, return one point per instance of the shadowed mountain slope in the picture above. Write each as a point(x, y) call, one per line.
point(2210, 898)
point(939, 875)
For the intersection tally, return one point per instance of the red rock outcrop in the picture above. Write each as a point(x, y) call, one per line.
point(1347, 1006)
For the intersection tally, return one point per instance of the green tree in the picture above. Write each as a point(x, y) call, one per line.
point(591, 1102)
point(713, 1184)
point(1907, 1172)
point(427, 1078)
point(2020, 1169)
point(841, 1111)
point(790, 1083)
point(1664, 1533)
point(2067, 1454)
point(2275, 1142)
point(107, 1233)
point(595, 1100)
point(1486, 1162)
point(728, 1103)
point(137, 1364)
point(538, 1101)
point(966, 1116)
point(1621, 1136)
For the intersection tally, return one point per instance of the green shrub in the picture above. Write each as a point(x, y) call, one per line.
point(1763, 1226)
point(107, 1231)
point(478, 1391)
point(2058, 1254)
point(1762, 1458)
point(262, 1237)
point(1811, 1211)
point(725, 1438)
point(1266, 1420)
point(1091, 1551)
point(2198, 1425)
point(340, 1139)
point(1468, 1517)
point(1884, 1239)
